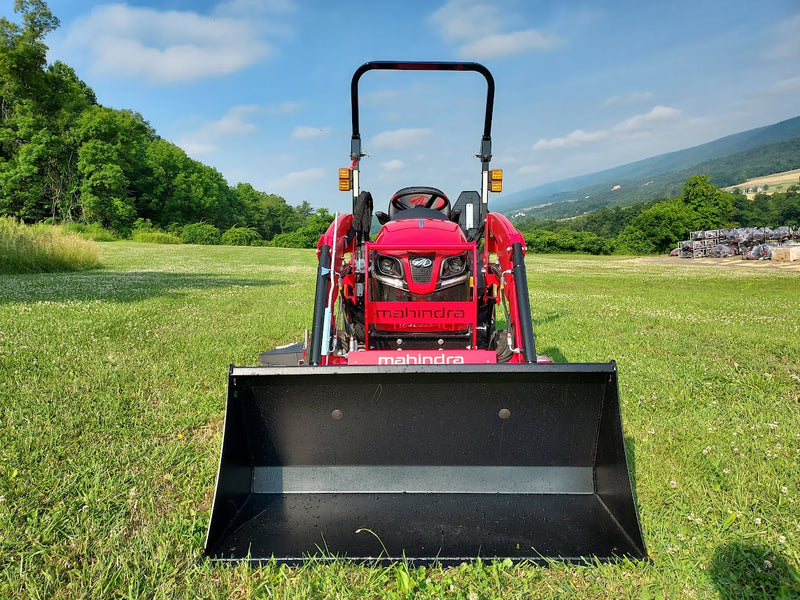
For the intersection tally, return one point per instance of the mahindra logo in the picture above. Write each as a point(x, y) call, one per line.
point(406, 313)
point(421, 262)
point(420, 359)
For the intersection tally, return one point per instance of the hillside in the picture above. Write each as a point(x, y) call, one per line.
point(768, 184)
point(727, 161)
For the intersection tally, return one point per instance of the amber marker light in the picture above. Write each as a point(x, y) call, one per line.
point(344, 180)
point(496, 183)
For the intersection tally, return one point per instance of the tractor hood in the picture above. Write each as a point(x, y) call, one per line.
point(420, 231)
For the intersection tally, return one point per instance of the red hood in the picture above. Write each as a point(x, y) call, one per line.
point(411, 232)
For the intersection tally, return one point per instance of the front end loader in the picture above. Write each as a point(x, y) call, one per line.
point(417, 421)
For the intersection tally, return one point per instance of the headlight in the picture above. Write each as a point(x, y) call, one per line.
point(389, 266)
point(453, 266)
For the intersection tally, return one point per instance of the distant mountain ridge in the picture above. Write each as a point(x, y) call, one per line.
point(728, 161)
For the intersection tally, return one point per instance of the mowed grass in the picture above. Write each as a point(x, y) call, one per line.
point(112, 389)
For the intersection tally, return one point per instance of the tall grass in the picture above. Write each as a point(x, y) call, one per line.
point(90, 231)
point(155, 237)
point(112, 390)
point(43, 248)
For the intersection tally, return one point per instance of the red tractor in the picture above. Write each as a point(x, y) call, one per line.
point(417, 421)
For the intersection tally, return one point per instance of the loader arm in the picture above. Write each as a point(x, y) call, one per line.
point(503, 240)
point(333, 246)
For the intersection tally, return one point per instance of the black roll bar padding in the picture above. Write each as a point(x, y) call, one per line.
point(523, 303)
point(320, 302)
point(486, 142)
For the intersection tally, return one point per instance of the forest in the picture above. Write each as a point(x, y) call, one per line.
point(65, 158)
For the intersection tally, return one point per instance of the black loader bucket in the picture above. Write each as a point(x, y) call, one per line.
point(427, 463)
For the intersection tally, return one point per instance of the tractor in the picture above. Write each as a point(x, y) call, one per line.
point(416, 421)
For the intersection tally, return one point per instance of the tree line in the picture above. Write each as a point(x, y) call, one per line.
point(65, 158)
point(659, 225)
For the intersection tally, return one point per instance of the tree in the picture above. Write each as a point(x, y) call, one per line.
point(23, 53)
point(267, 213)
point(658, 228)
point(161, 201)
point(111, 165)
point(178, 189)
point(308, 235)
point(633, 240)
point(38, 108)
point(712, 207)
point(23, 143)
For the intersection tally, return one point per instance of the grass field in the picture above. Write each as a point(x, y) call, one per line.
point(112, 387)
point(777, 182)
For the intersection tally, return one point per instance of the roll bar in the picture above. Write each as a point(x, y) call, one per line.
point(424, 66)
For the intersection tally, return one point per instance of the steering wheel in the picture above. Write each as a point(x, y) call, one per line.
point(427, 200)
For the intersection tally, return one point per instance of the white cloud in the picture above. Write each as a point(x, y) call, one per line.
point(460, 20)
point(393, 165)
point(296, 179)
point(632, 127)
point(165, 46)
point(308, 133)
point(482, 29)
point(638, 123)
point(575, 138)
point(196, 148)
point(790, 85)
point(506, 44)
point(204, 140)
point(400, 138)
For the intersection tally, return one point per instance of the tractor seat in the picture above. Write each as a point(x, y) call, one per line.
point(410, 198)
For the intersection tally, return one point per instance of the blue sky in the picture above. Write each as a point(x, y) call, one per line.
point(259, 89)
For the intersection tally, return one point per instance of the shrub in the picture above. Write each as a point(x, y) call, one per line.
point(92, 231)
point(308, 235)
point(201, 233)
point(544, 241)
point(633, 240)
point(142, 225)
point(155, 237)
point(241, 236)
point(295, 239)
point(43, 248)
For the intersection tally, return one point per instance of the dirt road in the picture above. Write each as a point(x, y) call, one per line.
point(733, 262)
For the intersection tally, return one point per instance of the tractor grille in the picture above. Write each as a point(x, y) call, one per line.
point(421, 267)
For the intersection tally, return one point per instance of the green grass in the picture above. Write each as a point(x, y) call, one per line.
point(42, 248)
point(155, 237)
point(92, 231)
point(112, 386)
